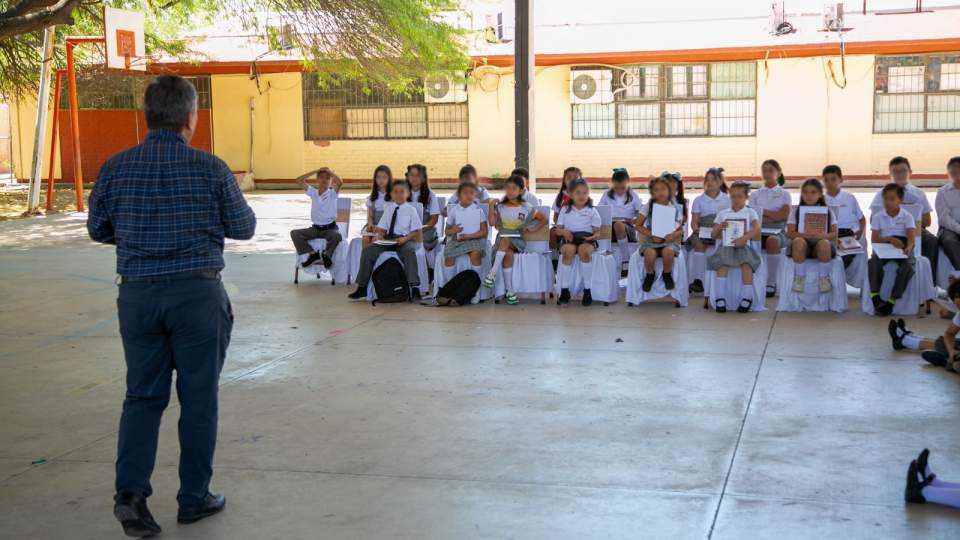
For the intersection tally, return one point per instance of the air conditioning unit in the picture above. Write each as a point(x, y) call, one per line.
point(777, 17)
point(833, 17)
point(445, 89)
point(591, 86)
point(286, 39)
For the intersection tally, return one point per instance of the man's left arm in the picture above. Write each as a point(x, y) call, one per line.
point(99, 226)
point(239, 221)
point(944, 215)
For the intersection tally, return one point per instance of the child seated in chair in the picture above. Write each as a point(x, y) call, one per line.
point(624, 207)
point(819, 243)
point(459, 242)
point(850, 220)
point(892, 225)
point(323, 213)
point(704, 212)
point(651, 246)
point(941, 351)
point(511, 216)
point(527, 195)
point(737, 253)
point(379, 196)
point(569, 175)
point(468, 175)
point(774, 204)
point(400, 224)
point(578, 228)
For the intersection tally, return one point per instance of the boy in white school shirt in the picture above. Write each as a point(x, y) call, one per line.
point(323, 214)
point(948, 213)
point(850, 220)
point(891, 225)
point(900, 171)
point(400, 223)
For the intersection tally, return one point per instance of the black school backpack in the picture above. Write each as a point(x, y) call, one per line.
point(460, 290)
point(390, 282)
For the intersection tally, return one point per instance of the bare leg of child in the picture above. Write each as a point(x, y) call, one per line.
point(508, 276)
point(772, 245)
point(565, 274)
point(746, 289)
point(798, 249)
point(720, 289)
point(825, 255)
point(668, 255)
point(620, 233)
point(502, 249)
point(585, 252)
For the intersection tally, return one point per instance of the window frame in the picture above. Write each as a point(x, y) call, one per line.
point(664, 98)
point(881, 82)
point(388, 101)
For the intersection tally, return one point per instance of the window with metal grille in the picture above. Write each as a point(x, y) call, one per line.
point(100, 89)
point(351, 110)
point(665, 100)
point(917, 93)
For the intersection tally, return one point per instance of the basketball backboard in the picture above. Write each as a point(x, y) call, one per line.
point(123, 34)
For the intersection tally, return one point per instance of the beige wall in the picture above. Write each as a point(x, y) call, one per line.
point(23, 118)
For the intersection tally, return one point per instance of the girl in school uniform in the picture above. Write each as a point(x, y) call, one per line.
point(527, 195)
point(651, 246)
point(511, 216)
point(703, 214)
point(379, 195)
point(578, 227)
point(625, 207)
point(460, 242)
point(811, 244)
point(740, 254)
point(468, 174)
point(675, 180)
point(569, 175)
point(774, 202)
point(420, 192)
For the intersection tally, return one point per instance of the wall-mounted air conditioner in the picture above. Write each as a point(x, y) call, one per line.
point(445, 89)
point(591, 86)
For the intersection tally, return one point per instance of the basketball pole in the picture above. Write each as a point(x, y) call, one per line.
point(43, 98)
point(72, 42)
point(524, 66)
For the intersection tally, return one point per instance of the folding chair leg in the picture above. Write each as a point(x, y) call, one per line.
point(296, 275)
point(543, 298)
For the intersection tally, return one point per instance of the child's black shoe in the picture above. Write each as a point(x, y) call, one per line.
point(564, 297)
point(895, 337)
point(587, 298)
point(745, 305)
point(327, 261)
point(935, 358)
point(913, 492)
point(311, 260)
point(877, 303)
point(415, 294)
point(668, 281)
point(885, 309)
point(358, 294)
point(648, 281)
point(696, 287)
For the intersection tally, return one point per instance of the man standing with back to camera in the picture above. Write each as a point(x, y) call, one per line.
point(168, 207)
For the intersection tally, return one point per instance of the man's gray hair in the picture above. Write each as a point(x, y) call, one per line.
point(168, 102)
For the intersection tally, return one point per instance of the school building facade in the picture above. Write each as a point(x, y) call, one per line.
point(641, 98)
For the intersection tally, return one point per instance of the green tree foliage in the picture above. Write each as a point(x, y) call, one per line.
point(387, 42)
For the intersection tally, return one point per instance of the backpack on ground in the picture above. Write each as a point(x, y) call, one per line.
point(460, 290)
point(390, 282)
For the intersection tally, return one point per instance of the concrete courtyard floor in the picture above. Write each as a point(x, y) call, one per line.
point(342, 420)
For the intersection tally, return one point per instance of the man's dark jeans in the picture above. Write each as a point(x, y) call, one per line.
point(169, 324)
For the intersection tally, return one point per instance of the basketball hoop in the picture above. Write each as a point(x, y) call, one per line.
point(123, 37)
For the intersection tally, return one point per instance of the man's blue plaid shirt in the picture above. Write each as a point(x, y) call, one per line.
point(167, 207)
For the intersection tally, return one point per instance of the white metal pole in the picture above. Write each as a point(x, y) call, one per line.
point(43, 97)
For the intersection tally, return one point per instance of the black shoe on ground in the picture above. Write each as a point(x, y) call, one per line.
point(745, 305)
point(587, 298)
point(895, 338)
point(311, 260)
point(877, 304)
point(771, 291)
point(936, 358)
point(885, 310)
point(134, 516)
point(696, 287)
point(913, 492)
point(648, 281)
point(623, 274)
point(668, 281)
point(564, 297)
point(721, 304)
point(358, 294)
point(922, 461)
point(327, 261)
point(210, 505)
point(415, 294)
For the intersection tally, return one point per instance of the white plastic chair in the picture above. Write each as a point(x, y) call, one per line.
point(339, 271)
point(635, 273)
point(532, 269)
point(605, 282)
point(945, 271)
point(811, 299)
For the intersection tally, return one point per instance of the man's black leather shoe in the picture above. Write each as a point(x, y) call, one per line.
point(211, 505)
point(134, 516)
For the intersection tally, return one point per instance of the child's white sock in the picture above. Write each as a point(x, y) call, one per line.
point(825, 269)
point(746, 291)
point(508, 279)
point(586, 272)
point(911, 341)
point(721, 289)
point(624, 249)
point(566, 275)
point(497, 262)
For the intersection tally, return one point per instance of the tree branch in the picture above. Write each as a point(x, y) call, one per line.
point(25, 6)
point(59, 13)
